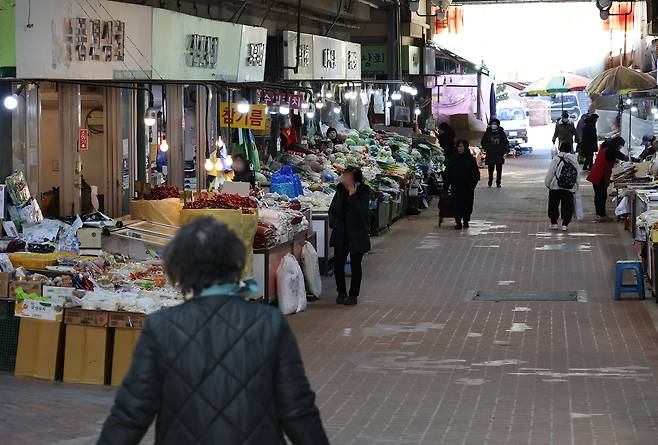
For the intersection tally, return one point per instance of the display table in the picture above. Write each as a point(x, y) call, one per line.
point(266, 262)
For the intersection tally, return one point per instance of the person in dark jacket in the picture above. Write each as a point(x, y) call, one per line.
point(496, 146)
point(462, 174)
point(446, 139)
point(589, 142)
point(216, 369)
point(649, 143)
point(609, 154)
point(565, 131)
point(242, 170)
point(349, 219)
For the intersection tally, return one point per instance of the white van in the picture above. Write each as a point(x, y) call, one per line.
point(514, 118)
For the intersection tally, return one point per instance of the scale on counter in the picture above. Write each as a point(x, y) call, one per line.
point(137, 238)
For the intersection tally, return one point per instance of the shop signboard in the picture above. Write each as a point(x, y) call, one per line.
point(305, 67)
point(329, 58)
point(188, 47)
point(374, 60)
point(411, 59)
point(352, 61)
point(251, 60)
point(84, 139)
point(429, 61)
point(7, 36)
point(67, 39)
point(272, 98)
point(230, 118)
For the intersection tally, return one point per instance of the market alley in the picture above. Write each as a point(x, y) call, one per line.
point(416, 362)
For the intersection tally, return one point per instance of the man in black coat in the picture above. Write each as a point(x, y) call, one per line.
point(216, 369)
point(349, 219)
point(496, 146)
point(589, 143)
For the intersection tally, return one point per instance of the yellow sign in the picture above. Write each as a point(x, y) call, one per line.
point(254, 119)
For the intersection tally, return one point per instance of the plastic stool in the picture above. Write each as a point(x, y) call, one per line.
point(638, 287)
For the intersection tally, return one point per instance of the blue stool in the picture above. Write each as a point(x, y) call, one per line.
point(638, 287)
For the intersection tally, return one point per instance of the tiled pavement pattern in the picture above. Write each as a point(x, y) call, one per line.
point(416, 363)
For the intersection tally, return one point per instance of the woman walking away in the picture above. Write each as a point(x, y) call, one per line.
point(349, 219)
point(609, 153)
point(447, 140)
point(496, 146)
point(216, 369)
point(589, 142)
point(562, 182)
point(462, 174)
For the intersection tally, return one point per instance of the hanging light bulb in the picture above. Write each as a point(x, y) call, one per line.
point(404, 88)
point(413, 91)
point(150, 116)
point(329, 95)
point(389, 104)
point(319, 105)
point(305, 105)
point(654, 110)
point(164, 146)
point(11, 102)
point(284, 109)
point(228, 162)
point(310, 114)
point(337, 110)
point(396, 95)
point(417, 111)
point(628, 101)
point(220, 142)
point(208, 165)
point(243, 107)
point(219, 165)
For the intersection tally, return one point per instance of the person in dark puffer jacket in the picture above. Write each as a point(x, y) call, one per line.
point(216, 369)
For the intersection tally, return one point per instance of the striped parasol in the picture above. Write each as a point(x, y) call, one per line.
point(562, 83)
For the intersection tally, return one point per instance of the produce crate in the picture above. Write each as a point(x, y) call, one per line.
point(9, 325)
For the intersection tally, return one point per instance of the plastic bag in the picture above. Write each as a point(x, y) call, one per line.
point(578, 206)
point(311, 269)
point(18, 190)
point(291, 292)
point(286, 182)
point(624, 207)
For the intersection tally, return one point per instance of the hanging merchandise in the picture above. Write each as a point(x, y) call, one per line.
point(246, 146)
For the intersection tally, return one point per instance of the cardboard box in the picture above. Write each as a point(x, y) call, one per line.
point(128, 320)
point(125, 340)
point(5, 278)
point(40, 349)
point(84, 317)
point(30, 287)
point(87, 355)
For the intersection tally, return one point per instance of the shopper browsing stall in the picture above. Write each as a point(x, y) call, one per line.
point(242, 170)
point(589, 143)
point(609, 154)
point(350, 220)
point(462, 175)
point(332, 135)
point(176, 364)
point(446, 139)
point(562, 182)
point(496, 146)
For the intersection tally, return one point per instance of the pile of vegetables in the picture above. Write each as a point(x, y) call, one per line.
point(223, 201)
point(159, 192)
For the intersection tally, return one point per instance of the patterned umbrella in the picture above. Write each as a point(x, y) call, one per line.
point(620, 80)
point(562, 83)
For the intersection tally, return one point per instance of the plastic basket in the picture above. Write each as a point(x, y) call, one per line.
point(9, 325)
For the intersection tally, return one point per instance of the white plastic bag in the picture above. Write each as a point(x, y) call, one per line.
point(291, 292)
point(311, 269)
point(624, 207)
point(578, 206)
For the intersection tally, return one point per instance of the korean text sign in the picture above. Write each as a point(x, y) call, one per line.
point(254, 119)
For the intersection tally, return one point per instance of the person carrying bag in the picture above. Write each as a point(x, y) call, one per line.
point(562, 183)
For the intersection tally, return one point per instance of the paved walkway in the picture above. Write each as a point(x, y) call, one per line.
point(417, 362)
